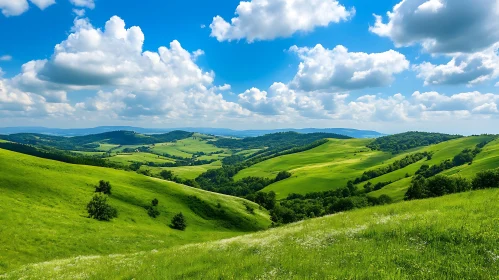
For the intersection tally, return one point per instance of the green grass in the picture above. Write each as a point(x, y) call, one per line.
point(441, 152)
point(326, 167)
point(451, 237)
point(185, 148)
point(43, 216)
point(106, 147)
point(185, 172)
point(332, 165)
point(126, 158)
point(89, 153)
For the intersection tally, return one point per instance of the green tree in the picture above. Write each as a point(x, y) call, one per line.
point(178, 222)
point(486, 180)
point(155, 202)
point(167, 175)
point(99, 209)
point(103, 187)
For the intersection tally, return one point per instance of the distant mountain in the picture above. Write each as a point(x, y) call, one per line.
point(214, 131)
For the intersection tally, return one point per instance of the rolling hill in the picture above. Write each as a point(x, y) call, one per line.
point(332, 165)
point(451, 237)
point(43, 212)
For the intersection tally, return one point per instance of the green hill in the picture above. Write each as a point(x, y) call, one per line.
point(451, 237)
point(332, 165)
point(94, 142)
point(43, 216)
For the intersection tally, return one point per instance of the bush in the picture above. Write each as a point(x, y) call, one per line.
point(167, 175)
point(155, 202)
point(486, 180)
point(103, 187)
point(178, 222)
point(282, 176)
point(152, 212)
point(98, 208)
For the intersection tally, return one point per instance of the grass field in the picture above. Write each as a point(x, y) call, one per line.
point(333, 164)
point(43, 216)
point(451, 237)
point(326, 167)
point(185, 148)
point(126, 158)
point(185, 172)
point(485, 160)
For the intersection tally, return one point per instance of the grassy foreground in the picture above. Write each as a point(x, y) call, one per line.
point(452, 237)
point(43, 215)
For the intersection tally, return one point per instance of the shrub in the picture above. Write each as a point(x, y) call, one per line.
point(250, 209)
point(103, 187)
point(178, 222)
point(155, 202)
point(99, 209)
point(282, 176)
point(152, 212)
point(486, 180)
point(167, 175)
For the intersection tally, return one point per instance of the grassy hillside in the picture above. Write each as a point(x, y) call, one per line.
point(487, 159)
point(43, 216)
point(332, 165)
point(452, 237)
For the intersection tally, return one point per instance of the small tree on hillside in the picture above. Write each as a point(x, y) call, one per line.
point(167, 175)
point(155, 202)
point(103, 187)
point(99, 209)
point(178, 222)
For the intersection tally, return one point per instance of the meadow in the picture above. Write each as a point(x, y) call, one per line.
point(43, 212)
point(451, 237)
point(332, 165)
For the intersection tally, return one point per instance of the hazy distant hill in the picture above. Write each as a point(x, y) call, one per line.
point(215, 131)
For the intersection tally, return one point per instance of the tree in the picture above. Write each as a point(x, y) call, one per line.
point(178, 222)
point(99, 209)
point(282, 175)
point(486, 180)
point(167, 175)
point(103, 187)
point(155, 202)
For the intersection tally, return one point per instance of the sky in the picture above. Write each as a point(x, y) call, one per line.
point(386, 65)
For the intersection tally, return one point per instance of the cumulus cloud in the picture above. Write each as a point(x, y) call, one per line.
point(430, 106)
point(5, 58)
point(129, 81)
point(13, 8)
point(16, 103)
point(18, 7)
point(442, 26)
point(322, 68)
point(83, 3)
point(463, 68)
point(258, 20)
point(43, 4)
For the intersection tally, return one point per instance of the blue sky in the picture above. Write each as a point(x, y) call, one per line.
point(431, 65)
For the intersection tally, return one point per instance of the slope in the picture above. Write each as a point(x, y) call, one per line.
point(326, 167)
point(487, 159)
point(452, 237)
point(43, 216)
point(333, 164)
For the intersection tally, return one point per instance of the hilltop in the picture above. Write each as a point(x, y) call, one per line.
point(43, 216)
point(355, 133)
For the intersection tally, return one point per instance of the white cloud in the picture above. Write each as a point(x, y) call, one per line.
point(225, 87)
point(427, 106)
point(442, 26)
point(43, 4)
point(79, 12)
point(258, 20)
point(462, 68)
point(322, 68)
point(5, 58)
point(16, 103)
point(83, 3)
point(13, 7)
point(164, 84)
